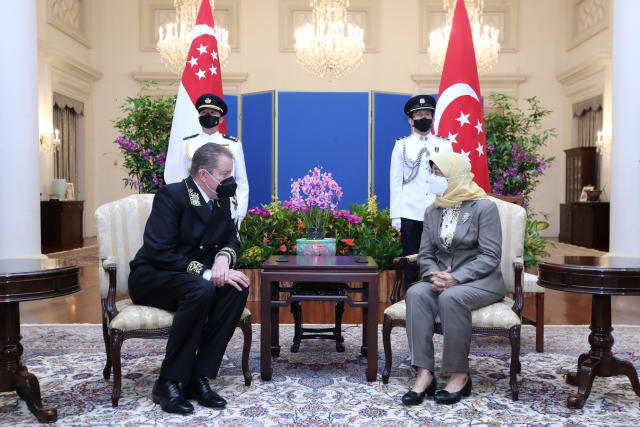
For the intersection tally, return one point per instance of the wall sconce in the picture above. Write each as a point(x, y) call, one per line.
point(603, 141)
point(50, 142)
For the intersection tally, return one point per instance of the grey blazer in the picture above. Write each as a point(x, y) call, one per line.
point(476, 248)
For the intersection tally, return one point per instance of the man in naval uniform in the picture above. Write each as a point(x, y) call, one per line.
point(409, 176)
point(211, 110)
point(185, 266)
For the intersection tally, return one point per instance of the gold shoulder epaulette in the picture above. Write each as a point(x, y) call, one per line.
point(191, 136)
point(231, 138)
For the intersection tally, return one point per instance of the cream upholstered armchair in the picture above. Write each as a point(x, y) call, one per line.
point(502, 318)
point(120, 230)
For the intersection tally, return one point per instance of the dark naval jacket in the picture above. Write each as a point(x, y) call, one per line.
point(183, 234)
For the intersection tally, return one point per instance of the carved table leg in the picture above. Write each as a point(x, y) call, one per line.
point(623, 367)
point(584, 379)
point(599, 361)
point(572, 379)
point(13, 375)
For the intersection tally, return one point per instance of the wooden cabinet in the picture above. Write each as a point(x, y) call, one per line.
point(585, 224)
point(60, 225)
point(581, 171)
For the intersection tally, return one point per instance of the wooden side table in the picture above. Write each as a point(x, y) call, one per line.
point(61, 224)
point(25, 280)
point(601, 277)
point(318, 269)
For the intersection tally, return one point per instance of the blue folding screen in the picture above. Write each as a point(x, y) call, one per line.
point(389, 124)
point(232, 114)
point(258, 142)
point(329, 129)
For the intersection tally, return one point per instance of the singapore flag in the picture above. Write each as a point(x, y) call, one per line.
point(458, 113)
point(201, 75)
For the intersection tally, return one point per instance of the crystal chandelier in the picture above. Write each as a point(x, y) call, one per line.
point(175, 38)
point(485, 37)
point(329, 46)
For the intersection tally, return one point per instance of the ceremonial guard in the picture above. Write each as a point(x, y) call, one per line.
point(409, 176)
point(211, 110)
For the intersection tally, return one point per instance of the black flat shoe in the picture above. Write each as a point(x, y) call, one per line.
point(199, 390)
point(168, 395)
point(413, 398)
point(446, 398)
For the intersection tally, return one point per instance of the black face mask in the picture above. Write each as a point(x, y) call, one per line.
point(208, 121)
point(423, 124)
point(227, 188)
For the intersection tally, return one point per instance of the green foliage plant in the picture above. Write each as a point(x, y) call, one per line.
point(515, 139)
point(144, 137)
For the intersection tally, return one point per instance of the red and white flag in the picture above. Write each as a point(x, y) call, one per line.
point(458, 113)
point(201, 75)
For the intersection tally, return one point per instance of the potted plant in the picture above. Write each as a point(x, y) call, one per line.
point(144, 138)
point(515, 139)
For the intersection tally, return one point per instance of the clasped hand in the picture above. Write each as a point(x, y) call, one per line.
point(221, 274)
point(442, 280)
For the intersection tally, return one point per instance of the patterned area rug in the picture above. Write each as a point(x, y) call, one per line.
point(320, 387)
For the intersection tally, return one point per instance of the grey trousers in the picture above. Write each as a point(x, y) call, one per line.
point(454, 306)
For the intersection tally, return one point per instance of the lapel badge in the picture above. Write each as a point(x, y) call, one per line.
point(194, 198)
point(465, 217)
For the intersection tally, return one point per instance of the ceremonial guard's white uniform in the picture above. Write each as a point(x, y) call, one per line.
point(179, 161)
point(410, 172)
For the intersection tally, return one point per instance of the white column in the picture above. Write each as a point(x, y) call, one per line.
point(19, 160)
point(625, 141)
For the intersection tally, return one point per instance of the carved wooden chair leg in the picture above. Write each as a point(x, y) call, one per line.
point(106, 372)
point(116, 345)
point(337, 331)
point(514, 337)
point(246, 349)
point(386, 341)
point(540, 322)
point(296, 310)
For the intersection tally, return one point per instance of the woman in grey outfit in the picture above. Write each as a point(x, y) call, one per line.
point(459, 261)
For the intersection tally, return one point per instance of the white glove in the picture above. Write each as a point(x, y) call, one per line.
point(395, 223)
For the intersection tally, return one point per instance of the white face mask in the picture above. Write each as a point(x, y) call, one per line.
point(438, 184)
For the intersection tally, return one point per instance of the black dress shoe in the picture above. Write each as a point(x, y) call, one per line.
point(199, 390)
point(414, 398)
point(446, 398)
point(168, 395)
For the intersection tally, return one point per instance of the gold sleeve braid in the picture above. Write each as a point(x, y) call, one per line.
point(196, 268)
point(232, 253)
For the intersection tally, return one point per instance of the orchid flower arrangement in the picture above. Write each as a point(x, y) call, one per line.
point(315, 197)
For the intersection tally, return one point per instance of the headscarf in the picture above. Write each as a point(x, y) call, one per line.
point(457, 169)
